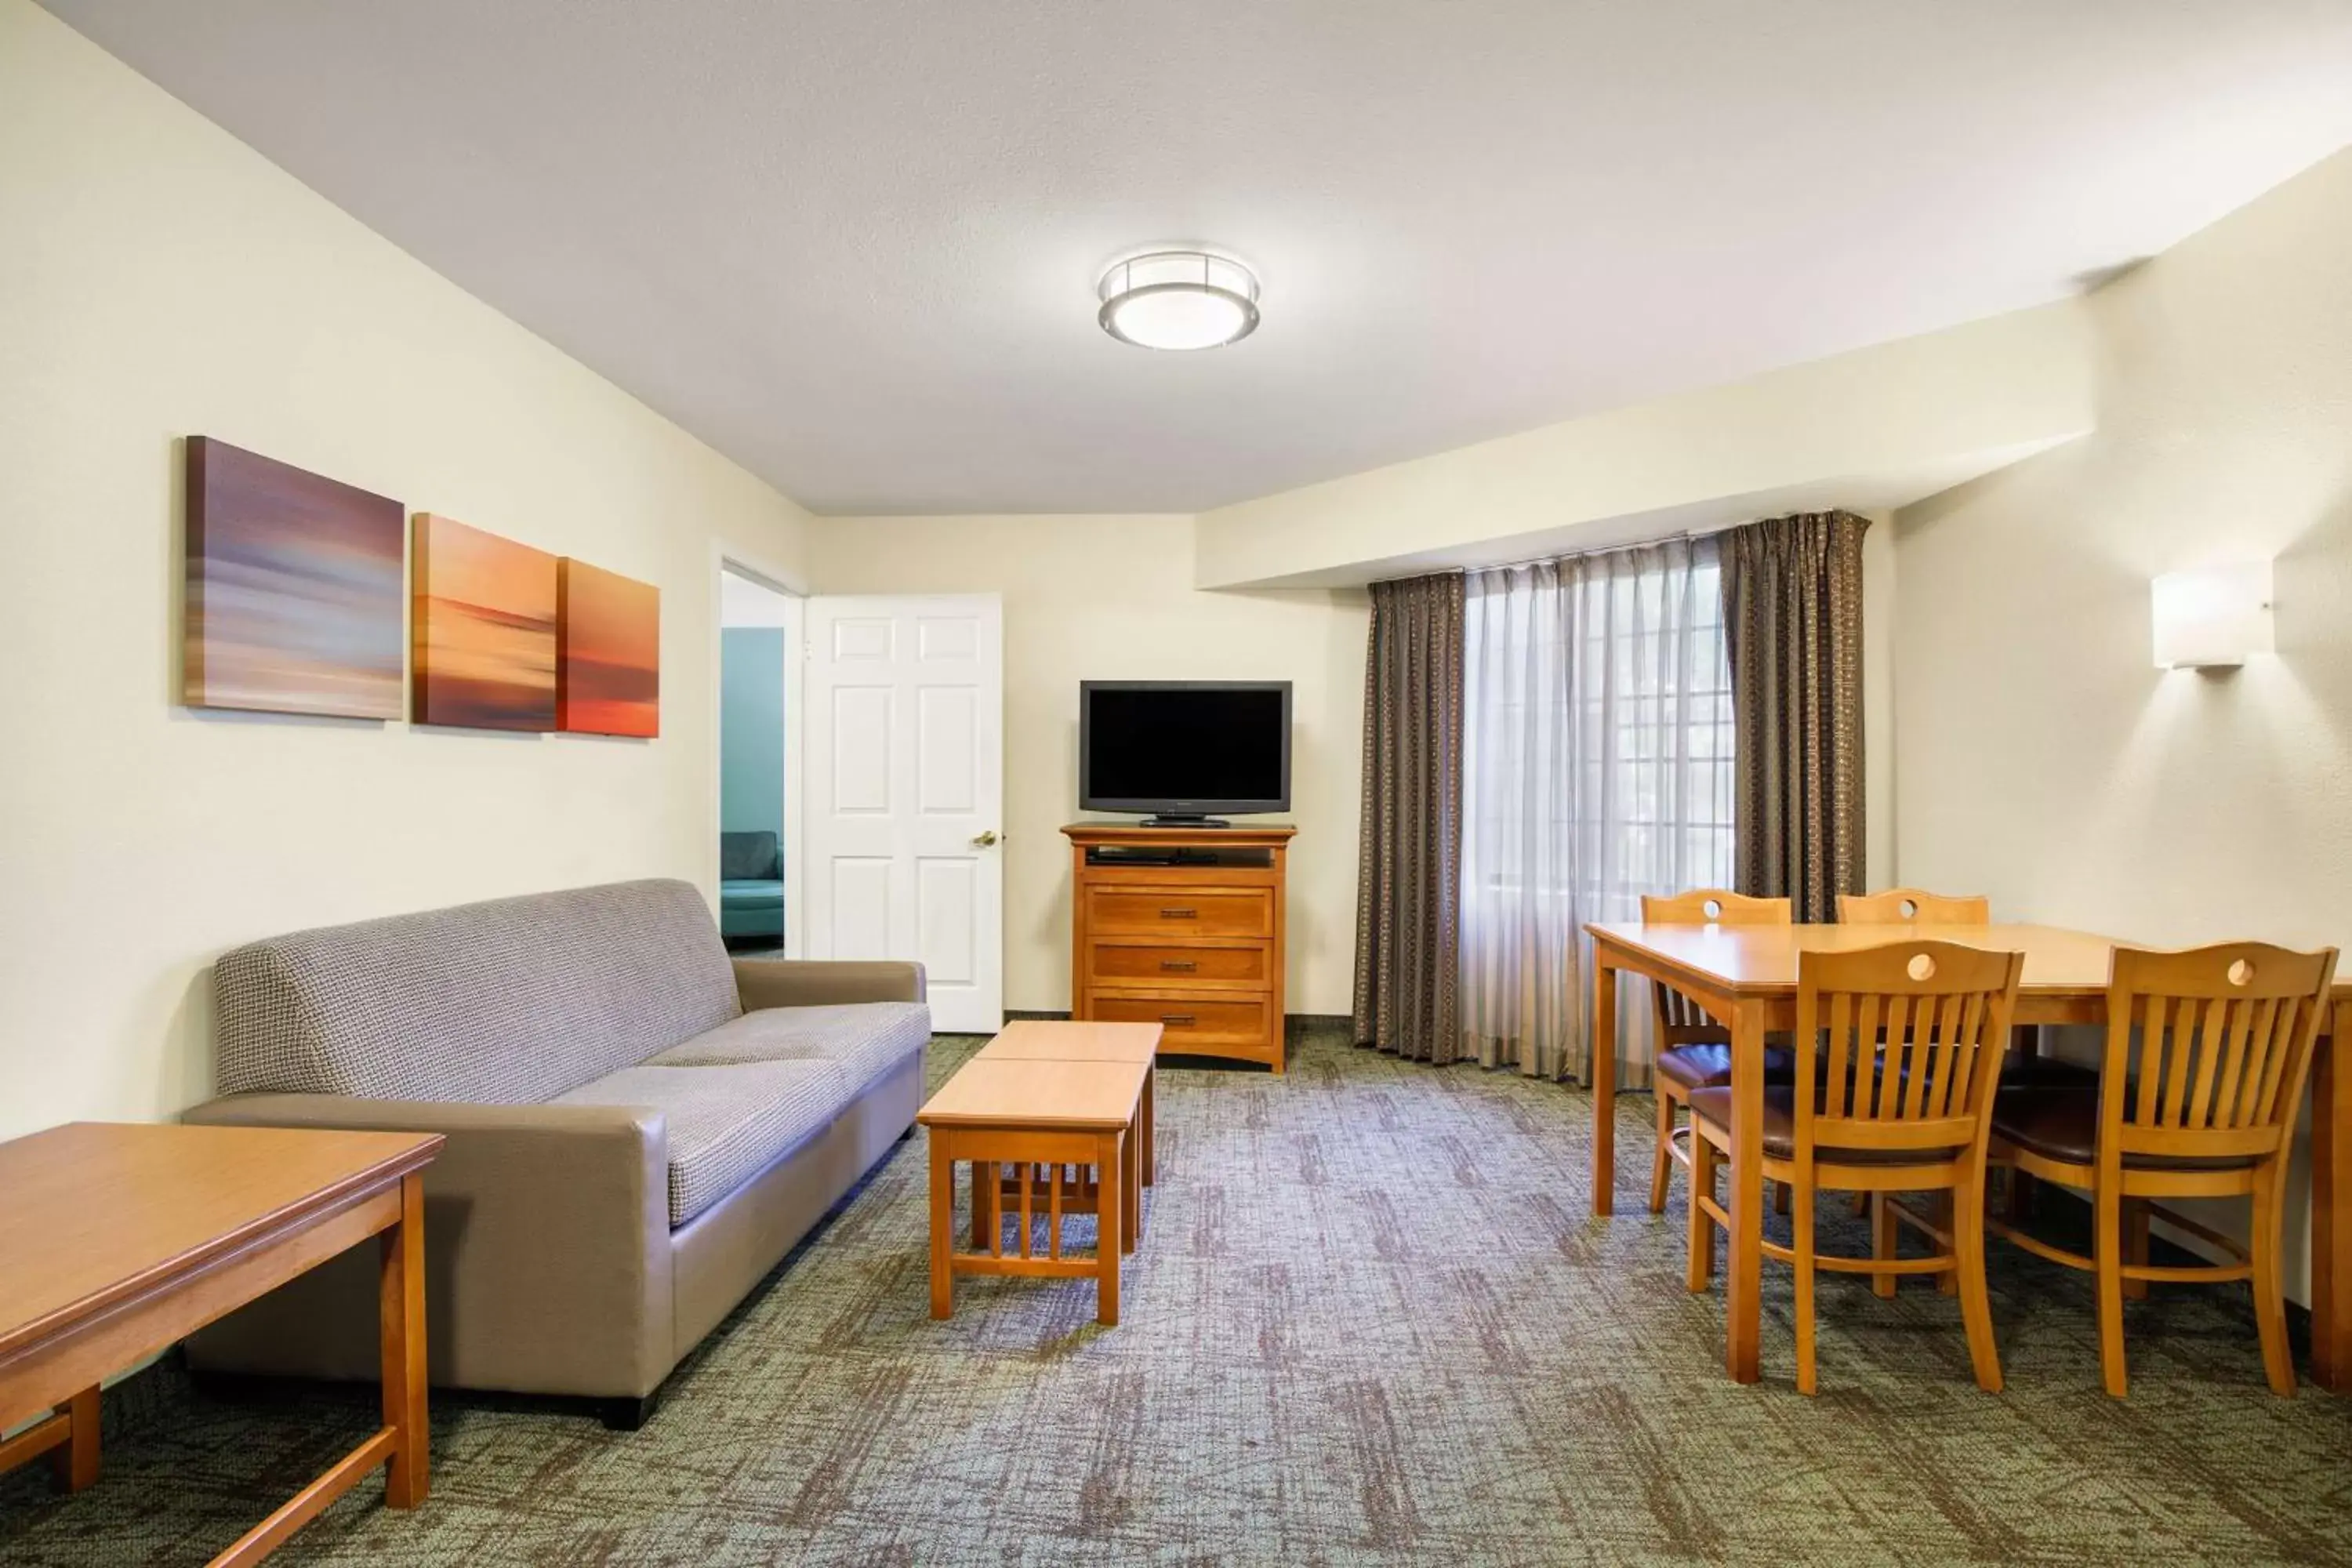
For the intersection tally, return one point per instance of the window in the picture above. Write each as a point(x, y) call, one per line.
point(1598, 767)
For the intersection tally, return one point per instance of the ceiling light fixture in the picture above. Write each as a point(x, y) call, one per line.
point(1178, 300)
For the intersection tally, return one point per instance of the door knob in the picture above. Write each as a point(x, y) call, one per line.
point(982, 840)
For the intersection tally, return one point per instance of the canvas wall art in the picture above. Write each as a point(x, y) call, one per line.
point(292, 589)
point(608, 653)
point(483, 627)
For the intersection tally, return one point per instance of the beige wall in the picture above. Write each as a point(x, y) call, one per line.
point(159, 279)
point(1110, 598)
point(2040, 758)
point(1868, 430)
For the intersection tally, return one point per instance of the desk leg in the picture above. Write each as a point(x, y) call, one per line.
point(1603, 1050)
point(1110, 1223)
point(1743, 1289)
point(76, 1462)
point(943, 1221)
point(2331, 1207)
point(400, 1313)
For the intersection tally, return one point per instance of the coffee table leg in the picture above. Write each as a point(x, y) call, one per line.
point(943, 1222)
point(1151, 1130)
point(1110, 1188)
point(400, 1314)
point(1130, 1172)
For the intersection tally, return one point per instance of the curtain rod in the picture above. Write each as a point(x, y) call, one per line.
point(1617, 549)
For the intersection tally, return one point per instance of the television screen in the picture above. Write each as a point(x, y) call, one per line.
point(1184, 748)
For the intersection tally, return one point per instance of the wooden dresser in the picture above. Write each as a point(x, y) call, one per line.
point(1181, 927)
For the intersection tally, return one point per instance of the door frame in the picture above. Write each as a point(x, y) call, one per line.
point(751, 565)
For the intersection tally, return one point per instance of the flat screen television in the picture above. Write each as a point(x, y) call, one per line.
point(1182, 750)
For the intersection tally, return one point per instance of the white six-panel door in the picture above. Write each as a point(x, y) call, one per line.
point(905, 791)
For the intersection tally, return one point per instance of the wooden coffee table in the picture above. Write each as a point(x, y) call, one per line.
point(1021, 1108)
point(120, 1239)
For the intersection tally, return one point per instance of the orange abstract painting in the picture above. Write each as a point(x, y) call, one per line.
point(482, 629)
point(608, 663)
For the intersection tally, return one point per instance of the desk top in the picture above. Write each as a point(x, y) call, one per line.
point(1763, 958)
point(1008, 1091)
point(1045, 1039)
point(93, 1213)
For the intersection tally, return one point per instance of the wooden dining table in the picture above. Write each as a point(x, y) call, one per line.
point(1745, 977)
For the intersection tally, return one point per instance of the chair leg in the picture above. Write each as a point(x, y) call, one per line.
point(2136, 1246)
point(1948, 1283)
point(1782, 1193)
point(2106, 1246)
point(1662, 1161)
point(1861, 1204)
point(1969, 1275)
point(1881, 1242)
point(2270, 1290)
point(1802, 1222)
point(1699, 1269)
point(2019, 1199)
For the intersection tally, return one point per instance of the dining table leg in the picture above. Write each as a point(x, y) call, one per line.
point(1604, 1085)
point(2331, 1208)
point(1743, 1286)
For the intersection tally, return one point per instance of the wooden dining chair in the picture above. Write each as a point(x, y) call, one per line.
point(2205, 1055)
point(1917, 907)
point(1694, 1050)
point(1913, 906)
point(1907, 1110)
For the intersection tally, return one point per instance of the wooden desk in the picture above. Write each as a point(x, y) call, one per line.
point(123, 1239)
point(1030, 1112)
point(1745, 977)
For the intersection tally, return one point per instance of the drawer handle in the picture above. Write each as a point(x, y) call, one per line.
point(1180, 914)
point(1177, 1020)
point(1181, 965)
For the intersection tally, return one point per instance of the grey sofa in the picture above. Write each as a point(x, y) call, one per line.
point(638, 1126)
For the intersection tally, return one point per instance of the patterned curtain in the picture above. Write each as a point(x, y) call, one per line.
point(1407, 872)
point(1597, 722)
point(1792, 612)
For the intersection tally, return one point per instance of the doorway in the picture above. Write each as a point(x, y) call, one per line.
point(758, 639)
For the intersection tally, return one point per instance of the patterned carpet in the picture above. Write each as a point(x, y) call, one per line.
point(1371, 1323)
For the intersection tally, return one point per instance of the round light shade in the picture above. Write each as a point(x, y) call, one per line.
point(1178, 300)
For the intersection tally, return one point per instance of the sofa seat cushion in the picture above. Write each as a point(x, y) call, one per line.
point(727, 1122)
point(864, 1039)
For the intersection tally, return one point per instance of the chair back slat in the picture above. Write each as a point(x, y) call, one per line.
point(2207, 1049)
point(1913, 1034)
point(1913, 906)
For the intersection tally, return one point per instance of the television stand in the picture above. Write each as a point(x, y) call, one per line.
point(1183, 822)
point(1181, 927)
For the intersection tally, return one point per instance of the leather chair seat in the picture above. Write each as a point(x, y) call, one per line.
point(2063, 1124)
point(2022, 1071)
point(1706, 1064)
point(1714, 1103)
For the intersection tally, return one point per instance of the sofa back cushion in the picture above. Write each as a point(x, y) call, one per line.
point(504, 1002)
point(752, 856)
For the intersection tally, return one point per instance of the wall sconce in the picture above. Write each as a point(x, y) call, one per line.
point(2213, 617)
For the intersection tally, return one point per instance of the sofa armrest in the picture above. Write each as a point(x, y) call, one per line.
point(802, 983)
point(547, 1261)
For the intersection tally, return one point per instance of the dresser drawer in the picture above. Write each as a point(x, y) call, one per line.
point(1186, 911)
point(1189, 1021)
point(1131, 963)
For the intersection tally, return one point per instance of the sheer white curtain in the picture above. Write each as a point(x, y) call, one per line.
point(1598, 743)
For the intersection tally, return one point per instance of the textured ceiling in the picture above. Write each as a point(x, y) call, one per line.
point(852, 244)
